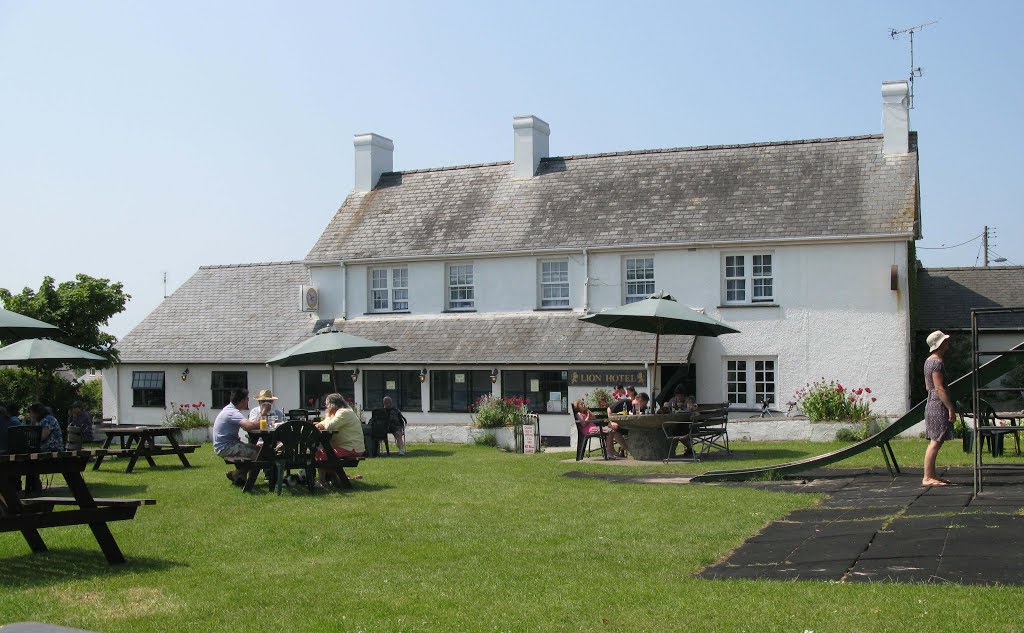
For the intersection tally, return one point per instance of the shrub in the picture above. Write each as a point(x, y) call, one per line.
point(831, 401)
point(493, 413)
point(188, 416)
point(92, 395)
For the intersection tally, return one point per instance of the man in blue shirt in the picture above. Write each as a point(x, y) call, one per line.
point(226, 441)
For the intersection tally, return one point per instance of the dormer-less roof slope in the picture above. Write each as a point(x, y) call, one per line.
point(946, 297)
point(243, 313)
point(762, 191)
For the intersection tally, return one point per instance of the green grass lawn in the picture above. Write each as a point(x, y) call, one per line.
point(457, 538)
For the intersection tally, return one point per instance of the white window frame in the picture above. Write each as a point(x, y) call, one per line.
point(627, 296)
point(466, 302)
point(751, 275)
point(554, 303)
point(394, 292)
point(753, 390)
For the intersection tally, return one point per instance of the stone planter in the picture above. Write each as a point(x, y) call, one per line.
point(781, 429)
point(195, 436)
point(504, 437)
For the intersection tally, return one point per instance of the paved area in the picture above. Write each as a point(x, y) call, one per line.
point(872, 528)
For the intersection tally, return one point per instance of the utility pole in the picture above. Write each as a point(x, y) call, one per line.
point(984, 242)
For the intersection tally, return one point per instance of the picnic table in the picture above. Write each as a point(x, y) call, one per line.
point(143, 438)
point(647, 439)
point(267, 457)
point(29, 515)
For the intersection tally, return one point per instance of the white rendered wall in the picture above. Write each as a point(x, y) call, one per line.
point(284, 381)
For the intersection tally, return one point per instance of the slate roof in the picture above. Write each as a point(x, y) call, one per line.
point(760, 191)
point(242, 313)
point(220, 315)
point(947, 295)
point(508, 339)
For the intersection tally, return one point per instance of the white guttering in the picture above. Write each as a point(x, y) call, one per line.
point(832, 239)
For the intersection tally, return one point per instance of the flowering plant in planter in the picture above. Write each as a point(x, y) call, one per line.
point(822, 400)
point(600, 400)
point(188, 416)
point(493, 413)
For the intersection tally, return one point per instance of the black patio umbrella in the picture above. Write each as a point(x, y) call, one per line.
point(327, 347)
point(659, 314)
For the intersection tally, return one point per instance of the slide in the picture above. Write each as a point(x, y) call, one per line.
point(959, 389)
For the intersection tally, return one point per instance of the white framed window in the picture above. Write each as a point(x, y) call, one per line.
point(389, 289)
point(639, 278)
point(749, 381)
point(554, 284)
point(461, 294)
point(748, 278)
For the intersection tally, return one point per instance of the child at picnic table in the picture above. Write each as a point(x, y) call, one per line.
point(589, 427)
point(347, 441)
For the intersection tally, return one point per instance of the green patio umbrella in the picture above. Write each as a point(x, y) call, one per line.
point(42, 351)
point(14, 326)
point(659, 314)
point(327, 347)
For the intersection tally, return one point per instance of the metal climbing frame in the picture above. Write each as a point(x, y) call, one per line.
point(980, 467)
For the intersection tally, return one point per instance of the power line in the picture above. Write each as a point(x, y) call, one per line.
point(940, 248)
point(998, 255)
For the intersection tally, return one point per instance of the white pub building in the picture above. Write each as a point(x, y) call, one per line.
point(477, 275)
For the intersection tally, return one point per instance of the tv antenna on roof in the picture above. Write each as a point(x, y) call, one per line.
point(915, 71)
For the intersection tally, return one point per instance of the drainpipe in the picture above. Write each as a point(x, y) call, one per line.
point(344, 291)
point(586, 281)
point(117, 395)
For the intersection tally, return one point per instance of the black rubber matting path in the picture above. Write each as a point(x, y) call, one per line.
point(873, 528)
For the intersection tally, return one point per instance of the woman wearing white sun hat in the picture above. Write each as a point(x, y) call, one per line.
point(939, 410)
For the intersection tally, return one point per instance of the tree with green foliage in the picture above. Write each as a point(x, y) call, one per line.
point(79, 308)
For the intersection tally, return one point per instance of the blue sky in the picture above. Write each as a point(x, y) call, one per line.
point(144, 137)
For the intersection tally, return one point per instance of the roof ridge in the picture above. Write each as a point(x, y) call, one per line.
point(977, 268)
point(282, 263)
point(700, 148)
point(448, 168)
point(636, 152)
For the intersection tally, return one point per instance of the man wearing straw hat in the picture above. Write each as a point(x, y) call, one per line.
point(266, 409)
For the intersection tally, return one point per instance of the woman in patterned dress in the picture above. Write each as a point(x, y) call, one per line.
point(939, 409)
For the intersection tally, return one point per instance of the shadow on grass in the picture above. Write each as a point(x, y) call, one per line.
point(425, 452)
point(63, 565)
point(358, 486)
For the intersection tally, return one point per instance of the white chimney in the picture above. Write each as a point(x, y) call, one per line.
point(531, 144)
point(374, 156)
point(895, 117)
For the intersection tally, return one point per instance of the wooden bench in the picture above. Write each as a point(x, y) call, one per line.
point(340, 463)
point(29, 515)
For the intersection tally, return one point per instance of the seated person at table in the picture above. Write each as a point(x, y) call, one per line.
point(226, 441)
point(396, 422)
point(347, 439)
point(266, 410)
point(679, 402)
point(79, 427)
point(588, 427)
point(52, 439)
point(641, 402)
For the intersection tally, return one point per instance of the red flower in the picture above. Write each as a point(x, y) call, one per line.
point(859, 391)
point(852, 399)
point(873, 399)
point(839, 388)
point(312, 400)
point(867, 389)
